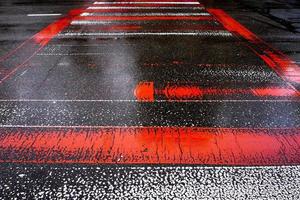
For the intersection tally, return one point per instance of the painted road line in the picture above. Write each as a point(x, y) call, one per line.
point(43, 15)
point(286, 68)
point(150, 2)
point(90, 22)
point(142, 27)
point(143, 8)
point(146, 91)
point(195, 33)
point(148, 145)
point(33, 45)
point(145, 14)
point(148, 27)
point(144, 18)
point(106, 22)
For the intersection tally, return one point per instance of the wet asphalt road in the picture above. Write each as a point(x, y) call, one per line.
point(149, 100)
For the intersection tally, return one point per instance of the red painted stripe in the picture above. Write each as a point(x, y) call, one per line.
point(49, 32)
point(191, 92)
point(279, 62)
point(33, 45)
point(150, 145)
point(142, 18)
point(146, 91)
point(233, 26)
point(46, 34)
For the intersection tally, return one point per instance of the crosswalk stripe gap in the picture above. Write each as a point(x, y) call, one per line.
point(145, 14)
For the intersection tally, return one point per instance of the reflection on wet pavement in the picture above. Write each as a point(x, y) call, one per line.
point(134, 88)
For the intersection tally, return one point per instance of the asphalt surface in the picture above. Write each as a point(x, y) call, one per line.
point(147, 100)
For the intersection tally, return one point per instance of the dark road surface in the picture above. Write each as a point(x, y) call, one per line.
point(149, 99)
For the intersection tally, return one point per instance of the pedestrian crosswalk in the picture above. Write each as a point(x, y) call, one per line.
point(155, 57)
point(147, 13)
point(146, 85)
point(181, 19)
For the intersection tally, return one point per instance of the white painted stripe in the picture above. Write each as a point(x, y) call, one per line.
point(183, 167)
point(98, 22)
point(143, 8)
point(43, 15)
point(141, 127)
point(200, 33)
point(145, 14)
point(90, 22)
point(149, 2)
